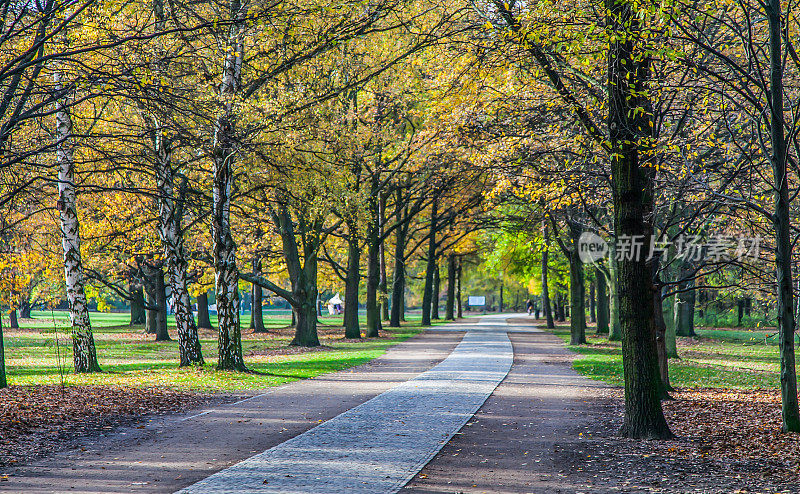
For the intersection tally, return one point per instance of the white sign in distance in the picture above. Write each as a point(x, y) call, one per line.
point(476, 301)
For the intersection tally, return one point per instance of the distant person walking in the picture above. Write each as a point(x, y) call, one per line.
point(529, 306)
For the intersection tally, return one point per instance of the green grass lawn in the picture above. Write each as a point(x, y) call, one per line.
point(40, 353)
point(716, 358)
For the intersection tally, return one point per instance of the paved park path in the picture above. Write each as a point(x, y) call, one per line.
point(378, 446)
point(366, 429)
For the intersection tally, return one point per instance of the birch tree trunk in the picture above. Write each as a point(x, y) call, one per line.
point(172, 238)
point(83, 349)
point(226, 281)
point(161, 302)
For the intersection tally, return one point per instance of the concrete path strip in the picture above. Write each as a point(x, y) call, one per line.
point(377, 447)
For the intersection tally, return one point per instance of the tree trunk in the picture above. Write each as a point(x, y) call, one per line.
point(502, 290)
point(661, 343)
point(437, 281)
point(577, 298)
point(548, 313)
point(161, 301)
point(151, 315)
point(660, 327)
point(13, 323)
point(223, 154)
point(685, 302)
point(671, 340)
point(428, 289)
point(686, 313)
point(25, 309)
point(602, 302)
point(630, 123)
point(373, 280)
point(157, 322)
point(459, 305)
point(83, 349)
point(449, 313)
point(592, 302)
point(305, 333)
point(203, 318)
point(252, 305)
point(257, 323)
point(399, 278)
point(383, 288)
point(739, 312)
point(3, 381)
point(352, 329)
point(782, 223)
point(137, 305)
point(178, 272)
point(303, 271)
point(615, 333)
point(305, 311)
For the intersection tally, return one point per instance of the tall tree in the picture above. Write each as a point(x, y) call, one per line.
point(630, 134)
point(223, 154)
point(83, 348)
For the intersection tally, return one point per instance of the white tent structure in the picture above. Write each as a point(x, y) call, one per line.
point(335, 305)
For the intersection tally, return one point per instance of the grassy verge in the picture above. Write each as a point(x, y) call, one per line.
point(40, 353)
point(716, 358)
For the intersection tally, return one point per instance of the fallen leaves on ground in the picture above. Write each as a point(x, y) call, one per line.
point(36, 420)
point(726, 441)
point(734, 425)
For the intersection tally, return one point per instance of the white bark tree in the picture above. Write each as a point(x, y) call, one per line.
point(84, 353)
point(171, 232)
point(223, 154)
